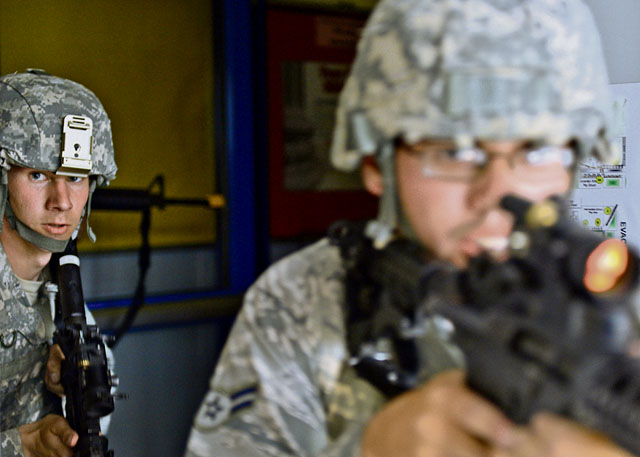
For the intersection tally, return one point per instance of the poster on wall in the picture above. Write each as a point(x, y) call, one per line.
point(308, 61)
point(311, 91)
point(606, 197)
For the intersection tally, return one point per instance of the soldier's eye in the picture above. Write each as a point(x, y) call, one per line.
point(37, 176)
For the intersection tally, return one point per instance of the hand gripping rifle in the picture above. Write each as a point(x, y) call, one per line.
point(86, 378)
point(551, 328)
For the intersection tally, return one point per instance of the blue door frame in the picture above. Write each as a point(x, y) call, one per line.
point(240, 151)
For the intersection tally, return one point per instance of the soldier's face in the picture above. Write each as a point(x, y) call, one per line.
point(457, 219)
point(47, 203)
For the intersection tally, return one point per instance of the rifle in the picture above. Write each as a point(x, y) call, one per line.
point(542, 330)
point(85, 375)
point(143, 200)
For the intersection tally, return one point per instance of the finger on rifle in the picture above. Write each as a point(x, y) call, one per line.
point(64, 432)
point(471, 412)
point(54, 364)
point(442, 437)
point(562, 436)
point(51, 436)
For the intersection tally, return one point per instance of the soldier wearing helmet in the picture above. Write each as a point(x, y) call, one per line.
point(55, 148)
point(450, 106)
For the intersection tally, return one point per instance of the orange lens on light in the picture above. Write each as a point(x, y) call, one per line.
point(605, 265)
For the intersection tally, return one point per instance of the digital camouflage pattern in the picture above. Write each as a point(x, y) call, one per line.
point(282, 386)
point(469, 69)
point(32, 107)
point(288, 348)
point(459, 69)
point(24, 334)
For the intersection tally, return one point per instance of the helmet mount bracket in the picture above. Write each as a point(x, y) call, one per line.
point(77, 135)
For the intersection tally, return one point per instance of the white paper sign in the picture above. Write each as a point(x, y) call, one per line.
point(606, 199)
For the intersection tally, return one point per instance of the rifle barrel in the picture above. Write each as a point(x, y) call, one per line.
point(123, 199)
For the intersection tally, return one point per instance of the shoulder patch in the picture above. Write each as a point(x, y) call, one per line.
point(214, 410)
point(217, 407)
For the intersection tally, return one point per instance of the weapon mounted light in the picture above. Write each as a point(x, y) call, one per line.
point(606, 264)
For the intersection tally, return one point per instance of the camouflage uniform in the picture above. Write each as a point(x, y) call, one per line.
point(25, 335)
point(25, 331)
point(457, 69)
point(32, 107)
point(280, 388)
point(471, 70)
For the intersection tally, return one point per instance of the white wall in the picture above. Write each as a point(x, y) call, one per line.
point(618, 23)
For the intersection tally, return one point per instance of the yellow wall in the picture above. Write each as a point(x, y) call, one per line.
point(150, 62)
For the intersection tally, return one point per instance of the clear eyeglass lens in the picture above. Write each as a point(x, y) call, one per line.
point(548, 155)
point(453, 163)
point(472, 156)
point(468, 163)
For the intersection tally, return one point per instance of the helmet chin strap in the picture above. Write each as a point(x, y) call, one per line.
point(33, 237)
point(391, 219)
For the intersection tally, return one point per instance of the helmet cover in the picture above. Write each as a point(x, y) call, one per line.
point(475, 69)
point(33, 107)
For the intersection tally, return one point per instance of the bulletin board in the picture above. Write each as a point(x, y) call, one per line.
point(151, 64)
point(605, 199)
point(308, 59)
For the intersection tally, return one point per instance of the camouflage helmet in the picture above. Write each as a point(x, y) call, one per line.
point(53, 124)
point(33, 106)
point(474, 70)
